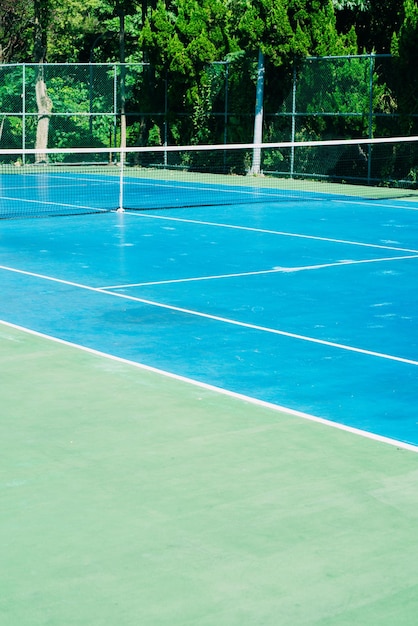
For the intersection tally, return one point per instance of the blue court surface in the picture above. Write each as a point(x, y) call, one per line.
point(309, 306)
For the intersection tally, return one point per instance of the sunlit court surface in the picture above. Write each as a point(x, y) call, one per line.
point(209, 413)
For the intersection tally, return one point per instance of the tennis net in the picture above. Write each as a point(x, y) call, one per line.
point(37, 183)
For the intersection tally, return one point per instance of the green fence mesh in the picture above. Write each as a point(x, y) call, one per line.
point(325, 98)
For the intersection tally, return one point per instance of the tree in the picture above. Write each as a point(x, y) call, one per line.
point(73, 27)
point(374, 22)
point(44, 102)
point(180, 38)
point(285, 31)
point(405, 50)
point(16, 23)
point(184, 35)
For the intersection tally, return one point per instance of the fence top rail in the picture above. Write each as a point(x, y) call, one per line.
point(110, 64)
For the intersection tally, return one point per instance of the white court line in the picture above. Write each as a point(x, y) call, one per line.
point(56, 204)
point(217, 318)
point(275, 270)
point(195, 279)
point(220, 390)
point(407, 206)
point(48, 186)
point(255, 192)
point(146, 215)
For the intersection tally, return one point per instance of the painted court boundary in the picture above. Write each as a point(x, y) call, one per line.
point(232, 394)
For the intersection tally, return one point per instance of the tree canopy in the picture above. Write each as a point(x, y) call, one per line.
point(185, 33)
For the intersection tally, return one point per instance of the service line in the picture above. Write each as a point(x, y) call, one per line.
point(217, 318)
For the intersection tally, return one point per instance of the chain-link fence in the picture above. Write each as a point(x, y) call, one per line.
point(84, 105)
point(341, 97)
point(326, 98)
point(351, 97)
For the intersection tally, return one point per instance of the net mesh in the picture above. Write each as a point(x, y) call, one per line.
point(63, 182)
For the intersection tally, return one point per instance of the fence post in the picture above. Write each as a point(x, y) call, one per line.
point(258, 121)
point(24, 111)
point(226, 108)
point(165, 118)
point(115, 105)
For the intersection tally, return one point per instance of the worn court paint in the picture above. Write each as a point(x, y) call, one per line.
point(130, 498)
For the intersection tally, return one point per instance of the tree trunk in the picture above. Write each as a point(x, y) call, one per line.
point(44, 104)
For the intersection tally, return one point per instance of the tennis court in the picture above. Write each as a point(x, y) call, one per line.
point(210, 412)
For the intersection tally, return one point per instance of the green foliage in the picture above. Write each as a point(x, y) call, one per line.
point(74, 92)
point(42, 17)
point(186, 35)
point(181, 38)
point(361, 5)
point(405, 44)
point(341, 87)
point(405, 50)
point(154, 136)
point(16, 24)
point(374, 22)
point(285, 29)
point(73, 22)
